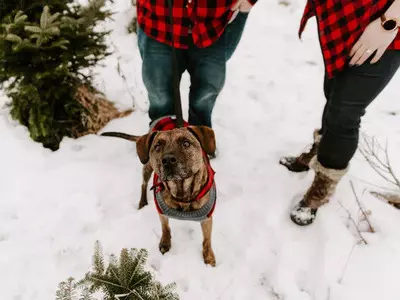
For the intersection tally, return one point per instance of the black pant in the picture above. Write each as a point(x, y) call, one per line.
point(348, 95)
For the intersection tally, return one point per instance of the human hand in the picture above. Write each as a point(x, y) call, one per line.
point(374, 38)
point(242, 5)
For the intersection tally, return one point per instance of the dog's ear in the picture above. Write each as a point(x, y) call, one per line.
point(206, 137)
point(143, 145)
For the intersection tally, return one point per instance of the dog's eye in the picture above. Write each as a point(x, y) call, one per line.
point(157, 147)
point(186, 144)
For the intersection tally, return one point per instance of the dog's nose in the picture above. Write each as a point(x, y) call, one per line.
point(169, 160)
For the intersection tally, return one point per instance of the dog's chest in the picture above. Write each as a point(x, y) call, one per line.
point(198, 210)
point(184, 206)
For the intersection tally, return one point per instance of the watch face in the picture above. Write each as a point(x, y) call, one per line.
point(390, 25)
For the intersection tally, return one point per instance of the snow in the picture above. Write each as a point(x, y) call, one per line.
point(55, 205)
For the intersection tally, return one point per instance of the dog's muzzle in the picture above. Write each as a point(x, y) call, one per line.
point(169, 161)
point(172, 169)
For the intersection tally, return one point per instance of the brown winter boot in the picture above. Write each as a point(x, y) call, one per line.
point(319, 193)
point(301, 163)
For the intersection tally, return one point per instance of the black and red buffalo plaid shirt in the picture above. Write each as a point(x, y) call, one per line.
point(205, 19)
point(340, 24)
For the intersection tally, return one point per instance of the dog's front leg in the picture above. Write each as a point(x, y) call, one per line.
point(146, 174)
point(208, 253)
point(165, 242)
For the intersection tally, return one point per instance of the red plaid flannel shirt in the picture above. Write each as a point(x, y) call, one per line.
point(340, 24)
point(206, 19)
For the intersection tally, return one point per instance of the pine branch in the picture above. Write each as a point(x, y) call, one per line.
point(53, 18)
point(20, 18)
point(105, 282)
point(141, 259)
point(98, 261)
point(44, 19)
point(126, 277)
point(66, 290)
point(33, 29)
point(13, 38)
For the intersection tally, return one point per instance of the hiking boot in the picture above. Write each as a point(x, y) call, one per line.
point(321, 190)
point(301, 163)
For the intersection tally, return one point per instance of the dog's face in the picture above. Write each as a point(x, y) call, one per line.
point(176, 154)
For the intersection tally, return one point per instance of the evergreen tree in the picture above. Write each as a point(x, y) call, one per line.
point(47, 49)
point(125, 278)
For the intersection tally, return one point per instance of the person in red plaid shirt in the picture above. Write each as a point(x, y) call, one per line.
point(360, 43)
point(205, 35)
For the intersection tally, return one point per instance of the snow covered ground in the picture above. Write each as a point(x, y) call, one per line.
point(53, 206)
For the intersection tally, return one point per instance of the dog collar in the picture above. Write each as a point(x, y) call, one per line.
point(165, 123)
point(201, 214)
point(198, 215)
point(168, 123)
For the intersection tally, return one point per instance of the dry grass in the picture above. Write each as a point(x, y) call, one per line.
point(99, 111)
point(377, 157)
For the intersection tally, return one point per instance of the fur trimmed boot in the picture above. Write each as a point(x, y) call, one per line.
point(301, 163)
point(321, 190)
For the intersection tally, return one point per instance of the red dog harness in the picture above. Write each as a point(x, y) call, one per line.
point(199, 215)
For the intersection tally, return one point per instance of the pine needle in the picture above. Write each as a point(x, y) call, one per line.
point(113, 281)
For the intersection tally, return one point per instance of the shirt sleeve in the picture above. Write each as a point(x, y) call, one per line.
point(252, 2)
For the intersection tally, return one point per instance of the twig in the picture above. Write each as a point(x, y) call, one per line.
point(125, 80)
point(347, 263)
point(361, 208)
point(389, 166)
point(390, 198)
point(122, 75)
point(226, 288)
point(372, 149)
point(329, 294)
point(382, 166)
point(106, 282)
point(355, 224)
point(374, 185)
point(378, 170)
point(118, 297)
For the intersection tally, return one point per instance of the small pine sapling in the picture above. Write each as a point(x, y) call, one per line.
point(47, 52)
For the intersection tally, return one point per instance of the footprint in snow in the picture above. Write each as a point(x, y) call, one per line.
point(77, 148)
point(4, 237)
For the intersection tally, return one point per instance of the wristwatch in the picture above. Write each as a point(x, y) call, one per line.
point(390, 24)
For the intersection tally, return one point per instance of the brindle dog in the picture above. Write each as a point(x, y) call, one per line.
point(176, 156)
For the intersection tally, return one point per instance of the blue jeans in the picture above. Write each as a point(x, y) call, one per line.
point(206, 66)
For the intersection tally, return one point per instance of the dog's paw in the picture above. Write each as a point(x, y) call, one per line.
point(142, 204)
point(209, 257)
point(164, 246)
point(143, 201)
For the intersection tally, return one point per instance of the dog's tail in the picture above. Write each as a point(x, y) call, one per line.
point(121, 135)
